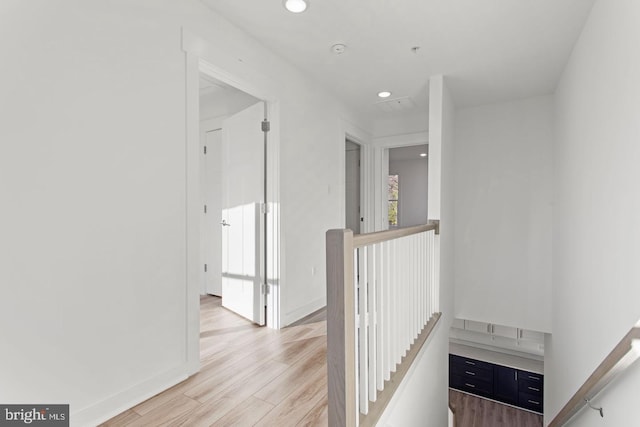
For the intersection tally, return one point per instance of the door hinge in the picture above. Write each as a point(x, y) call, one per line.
point(205, 149)
point(266, 125)
point(205, 268)
point(205, 208)
point(264, 288)
point(264, 208)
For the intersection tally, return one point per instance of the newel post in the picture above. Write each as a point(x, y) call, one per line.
point(341, 329)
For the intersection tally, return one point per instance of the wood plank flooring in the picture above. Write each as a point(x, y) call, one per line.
point(472, 411)
point(250, 376)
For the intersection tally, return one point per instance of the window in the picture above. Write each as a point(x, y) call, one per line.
point(393, 200)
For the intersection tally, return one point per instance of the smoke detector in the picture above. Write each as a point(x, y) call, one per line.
point(338, 48)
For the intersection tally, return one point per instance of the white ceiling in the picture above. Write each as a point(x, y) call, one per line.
point(489, 50)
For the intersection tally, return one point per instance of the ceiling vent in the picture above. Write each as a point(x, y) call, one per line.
point(397, 104)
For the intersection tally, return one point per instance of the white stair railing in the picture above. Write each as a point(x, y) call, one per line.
point(382, 301)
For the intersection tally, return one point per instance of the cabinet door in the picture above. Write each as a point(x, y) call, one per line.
point(505, 384)
point(472, 325)
point(504, 331)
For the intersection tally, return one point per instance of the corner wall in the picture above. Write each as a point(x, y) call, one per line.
point(597, 199)
point(422, 398)
point(503, 192)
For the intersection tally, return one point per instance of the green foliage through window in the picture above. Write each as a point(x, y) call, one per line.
point(393, 200)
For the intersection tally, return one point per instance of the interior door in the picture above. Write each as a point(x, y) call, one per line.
point(212, 214)
point(242, 223)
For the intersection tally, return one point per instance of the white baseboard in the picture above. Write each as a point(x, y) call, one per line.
point(303, 311)
point(120, 402)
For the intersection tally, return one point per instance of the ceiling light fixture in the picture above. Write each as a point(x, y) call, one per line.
point(423, 154)
point(384, 94)
point(296, 6)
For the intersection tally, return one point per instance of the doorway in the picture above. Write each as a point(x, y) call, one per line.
point(233, 192)
point(353, 216)
point(407, 189)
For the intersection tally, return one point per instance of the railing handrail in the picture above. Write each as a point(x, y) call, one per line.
point(376, 409)
point(345, 324)
point(360, 240)
point(617, 361)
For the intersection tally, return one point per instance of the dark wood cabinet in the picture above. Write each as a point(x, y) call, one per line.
point(530, 387)
point(504, 384)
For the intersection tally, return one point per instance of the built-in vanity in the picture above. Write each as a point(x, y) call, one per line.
point(498, 372)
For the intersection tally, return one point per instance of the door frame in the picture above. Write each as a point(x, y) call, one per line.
point(359, 185)
point(200, 58)
point(381, 147)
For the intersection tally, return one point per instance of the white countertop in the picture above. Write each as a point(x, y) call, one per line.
point(495, 357)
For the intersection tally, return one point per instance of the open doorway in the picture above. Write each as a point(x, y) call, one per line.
point(233, 194)
point(353, 216)
point(407, 186)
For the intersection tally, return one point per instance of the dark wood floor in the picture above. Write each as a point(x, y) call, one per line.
point(473, 411)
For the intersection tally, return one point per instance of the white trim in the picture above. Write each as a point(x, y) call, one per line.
point(200, 57)
point(356, 134)
point(192, 206)
point(404, 140)
point(303, 311)
point(114, 405)
point(380, 161)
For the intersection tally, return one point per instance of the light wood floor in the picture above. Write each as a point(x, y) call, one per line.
point(473, 411)
point(249, 376)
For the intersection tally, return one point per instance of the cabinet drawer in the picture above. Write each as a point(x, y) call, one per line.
point(529, 376)
point(459, 361)
point(530, 387)
point(470, 371)
point(471, 385)
point(530, 401)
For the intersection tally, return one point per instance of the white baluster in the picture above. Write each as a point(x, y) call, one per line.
point(388, 315)
point(364, 335)
point(373, 321)
point(358, 328)
point(380, 315)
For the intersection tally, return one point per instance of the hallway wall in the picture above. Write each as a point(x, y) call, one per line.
point(596, 156)
point(92, 179)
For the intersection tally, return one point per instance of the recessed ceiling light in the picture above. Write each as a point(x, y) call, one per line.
point(423, 154)
point(384, 94)
point(295, 6)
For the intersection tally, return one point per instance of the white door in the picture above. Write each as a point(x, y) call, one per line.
point(212, 211)
point(242, 223)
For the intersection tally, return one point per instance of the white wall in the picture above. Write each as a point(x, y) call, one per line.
point(503, 213)
point(422, 398)
point(399, 123)
point(92, 181)
point(412, 196)
point(596, 230)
